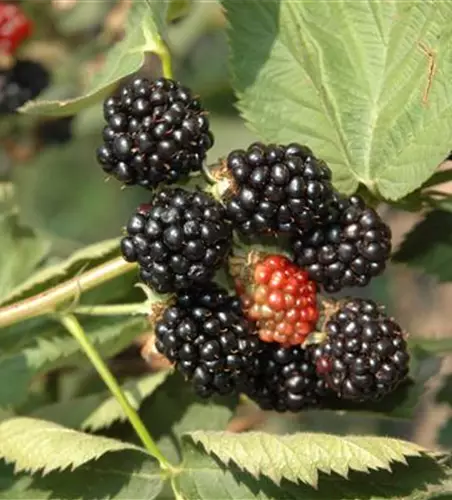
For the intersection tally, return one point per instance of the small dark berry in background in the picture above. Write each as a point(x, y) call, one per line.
point(156, 132)
point(349, 250)
point(278, 189)
point(211, 343)
point(21, 83)
point(364, 356)
point(180, 241)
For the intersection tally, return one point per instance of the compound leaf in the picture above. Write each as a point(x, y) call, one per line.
point(300, 457)
point(365, 84)
point(36, 445)
point(205, 477)
point(121, 475)
point(428, 246)
point(143, 34)
point(97, 411)
point(22, 251)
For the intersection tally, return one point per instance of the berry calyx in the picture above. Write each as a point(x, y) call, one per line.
point(157, 132)
point(210, 341)
point(179, 239)
point(349, 250)
point(281, 299)
point(277, 189)
point(364, 356)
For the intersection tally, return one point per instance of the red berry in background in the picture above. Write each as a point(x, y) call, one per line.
point(15, 27)
point(281, 299)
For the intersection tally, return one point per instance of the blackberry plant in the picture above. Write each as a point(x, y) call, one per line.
point(218, 368)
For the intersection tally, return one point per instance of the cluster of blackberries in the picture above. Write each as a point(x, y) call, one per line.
point(279, 189)
point(206, 335)
point(25, 80)
point(156, 132)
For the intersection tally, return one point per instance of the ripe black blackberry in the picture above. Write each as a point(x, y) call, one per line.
point(364, 356)
point(287, 380)
point(24, 81)
point(179, 240)
point(350, 249)
point(156, 132)
point(277, 189)
point(212, 344)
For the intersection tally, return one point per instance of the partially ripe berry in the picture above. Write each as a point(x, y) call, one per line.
point(281, 299)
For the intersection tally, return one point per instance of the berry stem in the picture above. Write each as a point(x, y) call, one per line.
point(47, 301)
point(165, 56)
point(140, 308)
point(73, 326)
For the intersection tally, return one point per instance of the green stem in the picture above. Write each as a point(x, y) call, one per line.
point(114, 310)
point(73, 326)
point(47, 301)
point(165, 57)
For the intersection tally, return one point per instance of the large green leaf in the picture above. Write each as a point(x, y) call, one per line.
point(36, 445)
point(300, 457)
point(97, 411)
point(351, 80)
point(204, 477)
point(22, 250)
point(60, 350)
point(429, 246)
point(143, 34)
point(121, 475)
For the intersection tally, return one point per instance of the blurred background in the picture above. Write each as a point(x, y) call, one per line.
point(61, 190)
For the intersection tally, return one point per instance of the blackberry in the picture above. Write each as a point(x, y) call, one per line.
point(349, 250)
point(211, 343)
point(156, 132)
point(179, 240)
point(364, 356)
point(287, 380)
point(277, 189)
point(24, 81)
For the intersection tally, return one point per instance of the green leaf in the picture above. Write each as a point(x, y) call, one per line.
point(36, 445)
point(300, 457)
point(98, 411)
point(143, 35)
point(80, 261)
point(22, 250)
point(174, 409)
point(205, 477)
point(61, 350)
point(439, 177)
point(428, 246)
point(121, 475)
point(348, 79)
